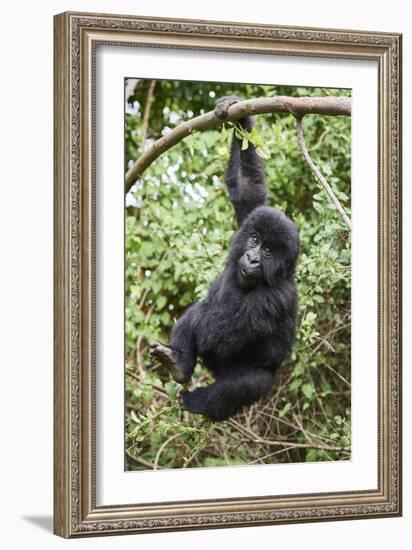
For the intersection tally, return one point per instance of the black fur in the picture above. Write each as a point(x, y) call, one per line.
point(245, 327)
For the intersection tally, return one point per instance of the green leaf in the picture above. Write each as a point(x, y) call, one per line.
point(295, 385)
point(223, 133)
point(298, 370)
point(308, 390)
point(312, 455)
point(318, 207)
point(285, 409)
point(161, 302)
point(171, 389)
point(263, 152)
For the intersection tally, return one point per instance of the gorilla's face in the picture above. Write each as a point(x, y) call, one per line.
point(265, 247)
point(258, 251)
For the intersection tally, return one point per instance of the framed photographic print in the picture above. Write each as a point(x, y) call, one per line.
point(227, 274)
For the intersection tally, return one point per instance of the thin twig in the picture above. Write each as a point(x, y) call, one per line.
point(338, 375)
point(269, 455)
point(138, 460)
point(159, 452)
point(321, 179)
point(156, 388)
point(280, 443)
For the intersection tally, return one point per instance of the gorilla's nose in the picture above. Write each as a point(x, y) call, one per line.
point(253, 258)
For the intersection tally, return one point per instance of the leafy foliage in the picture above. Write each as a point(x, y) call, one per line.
point(179, 223)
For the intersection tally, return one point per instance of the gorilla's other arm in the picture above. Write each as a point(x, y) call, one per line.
point(180, 355)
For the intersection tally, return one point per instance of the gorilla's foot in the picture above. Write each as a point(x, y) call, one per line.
point(193, 401)
point(167, 357)
point(198, 402)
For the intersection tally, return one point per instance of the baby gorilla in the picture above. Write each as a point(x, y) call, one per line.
point(245, 327)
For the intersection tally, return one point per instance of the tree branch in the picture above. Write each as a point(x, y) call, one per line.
point(298, 106)
point(321, 179)
point(147, 109)
point(130, 87)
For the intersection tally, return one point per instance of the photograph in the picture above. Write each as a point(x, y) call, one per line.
point(237, 311)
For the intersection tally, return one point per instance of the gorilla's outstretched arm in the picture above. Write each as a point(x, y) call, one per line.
point(245, 178)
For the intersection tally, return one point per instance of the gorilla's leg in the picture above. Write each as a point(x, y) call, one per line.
point(180, 355)
point(229, 393)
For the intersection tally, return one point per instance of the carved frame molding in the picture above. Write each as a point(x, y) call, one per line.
point(75, 39)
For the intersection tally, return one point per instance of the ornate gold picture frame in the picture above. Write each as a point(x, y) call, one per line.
point(76, 511)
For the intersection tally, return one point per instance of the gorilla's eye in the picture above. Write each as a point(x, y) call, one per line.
point(267, 250)
point(254, 239)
